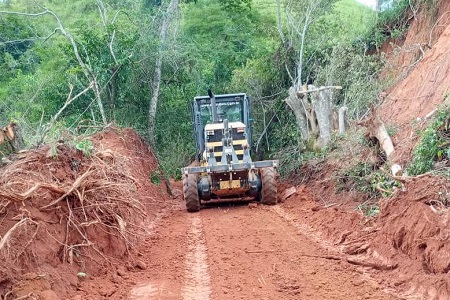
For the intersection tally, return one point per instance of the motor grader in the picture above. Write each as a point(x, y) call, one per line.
point(225, 170)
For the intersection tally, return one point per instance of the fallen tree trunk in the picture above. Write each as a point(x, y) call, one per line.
point(377, 130)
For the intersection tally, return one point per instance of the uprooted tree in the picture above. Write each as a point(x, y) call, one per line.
point(377, 130)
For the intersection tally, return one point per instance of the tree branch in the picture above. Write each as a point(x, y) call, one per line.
point(322, 88)
point(69, 100)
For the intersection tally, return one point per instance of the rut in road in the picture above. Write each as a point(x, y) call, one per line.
point(258, 254)
point(177, 259)
point(240, 253)
point(197, 280)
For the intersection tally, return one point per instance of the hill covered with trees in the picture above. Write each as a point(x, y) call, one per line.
point(70, 66)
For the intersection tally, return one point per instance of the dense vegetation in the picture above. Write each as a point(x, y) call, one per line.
point(107, 52)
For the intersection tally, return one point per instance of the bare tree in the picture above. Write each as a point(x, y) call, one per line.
point(300, 15)
point(115, 68)
point(69, 101)
point(312, 106)
point(156, 82)
point(87, 70)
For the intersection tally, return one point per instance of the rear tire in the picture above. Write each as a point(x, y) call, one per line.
point(190, 193)
point(268, 194)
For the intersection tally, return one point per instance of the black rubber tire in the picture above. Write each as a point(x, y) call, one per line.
point(268, 194)
point(190, 193)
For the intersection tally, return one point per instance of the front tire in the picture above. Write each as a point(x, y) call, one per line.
point(190, 193)
point(268, 194)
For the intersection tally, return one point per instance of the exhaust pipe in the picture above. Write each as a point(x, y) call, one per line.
point(215, 118)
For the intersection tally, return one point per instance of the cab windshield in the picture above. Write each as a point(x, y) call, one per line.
point(231, 110)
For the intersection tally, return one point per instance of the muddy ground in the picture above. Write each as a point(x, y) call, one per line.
point(298, 249)
point(239, 252)
point(96, 227)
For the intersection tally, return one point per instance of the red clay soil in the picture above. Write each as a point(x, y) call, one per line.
point(314, 245)
point(406, 246)
point(420, 65)
point(237, 251)
point(64, 215)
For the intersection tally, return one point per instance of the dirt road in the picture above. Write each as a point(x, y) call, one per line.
point(237, 252)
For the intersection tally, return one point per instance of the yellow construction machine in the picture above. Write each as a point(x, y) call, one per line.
point(223, 131)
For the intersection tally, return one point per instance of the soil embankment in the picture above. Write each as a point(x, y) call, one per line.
point(419, 63)
point(67, 214)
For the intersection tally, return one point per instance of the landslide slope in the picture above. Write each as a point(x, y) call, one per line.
point(404, 236)
point(420, 63)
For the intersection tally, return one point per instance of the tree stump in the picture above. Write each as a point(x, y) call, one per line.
point(11, 139)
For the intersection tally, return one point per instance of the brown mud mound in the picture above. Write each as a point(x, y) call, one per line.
point(413, 231)
point(65, 214)
point(407, 243)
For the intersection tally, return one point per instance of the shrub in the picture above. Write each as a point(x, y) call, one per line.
point(434, 145)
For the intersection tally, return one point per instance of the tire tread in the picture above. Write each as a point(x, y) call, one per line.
point(269, 178)
point(190, 193)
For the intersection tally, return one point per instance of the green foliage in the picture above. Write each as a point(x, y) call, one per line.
point(346, 22)
point(392, 22)
point(219, 41)
point(356, 178)
point(393, 19)
point(434, 145)
point(384, 184)
point(86, 146)
point(236, 5)
point(363, 178)
point(155, 177)
point(349, 66)
point(369, 209)
point(226, 45)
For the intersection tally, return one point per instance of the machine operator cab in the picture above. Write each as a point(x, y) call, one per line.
point(233, 110)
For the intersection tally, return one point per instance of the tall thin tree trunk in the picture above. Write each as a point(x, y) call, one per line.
point(302, 49)
point(99, 102)
point(280, 28)
point(112, 91)
point(156, 82)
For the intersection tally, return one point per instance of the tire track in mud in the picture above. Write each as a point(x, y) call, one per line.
point(261, 254)
point(305, 229)
point(164, 256)
point(197, 284)
point(317, 237)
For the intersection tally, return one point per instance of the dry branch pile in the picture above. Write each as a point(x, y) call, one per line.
point(56, 203)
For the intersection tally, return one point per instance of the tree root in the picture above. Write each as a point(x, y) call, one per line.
point(101, 196)
point(16, 197)
point(8, 234)
point(358, 249)
point(373, 265)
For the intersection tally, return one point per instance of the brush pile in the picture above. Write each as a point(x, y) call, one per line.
point(81, 206)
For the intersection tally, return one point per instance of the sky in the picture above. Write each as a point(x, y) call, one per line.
point(370, 3)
